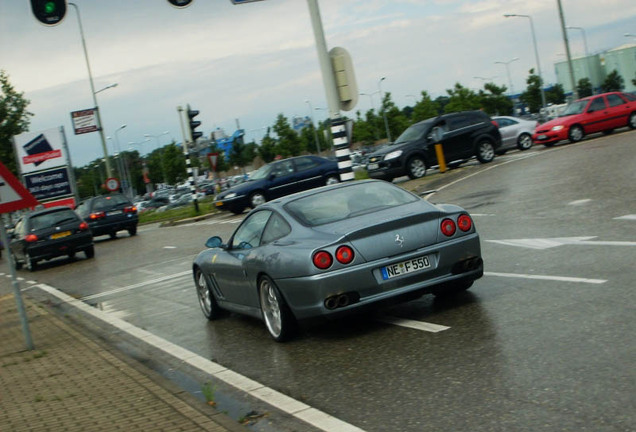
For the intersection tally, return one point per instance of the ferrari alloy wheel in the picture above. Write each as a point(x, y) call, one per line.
point(576, 133)
point(416, 167)
point(524, 142)
point(485, 151)
point(278, 318)
point(208, 304)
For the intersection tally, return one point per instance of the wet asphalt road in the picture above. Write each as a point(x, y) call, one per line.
point(544, 341)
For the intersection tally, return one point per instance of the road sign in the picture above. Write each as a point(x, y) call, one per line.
point(112, 184)
point(13, 196)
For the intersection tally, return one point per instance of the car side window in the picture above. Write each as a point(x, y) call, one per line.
point(283, 168)
point(276, 228)
point(305, 163)
point(614, 100)
point(597, 104)
point(249, 233)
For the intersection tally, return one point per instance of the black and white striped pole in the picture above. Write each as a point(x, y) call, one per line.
point(190, 136)
point(340, 88)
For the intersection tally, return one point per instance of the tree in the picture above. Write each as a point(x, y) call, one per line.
point(14, 119)
point(462, 99)
point(494, 101)
point(532, 95)
point(584, 88)
point(555, 95)
point(365, 130)
point(267, 150)
point(289, 143)
point(174, 164)
point(613, 82)
point(424, 109)
point(395, 118)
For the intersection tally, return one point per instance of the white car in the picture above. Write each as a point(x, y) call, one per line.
point(515, 133)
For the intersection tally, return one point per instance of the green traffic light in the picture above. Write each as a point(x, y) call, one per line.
point(49, 7)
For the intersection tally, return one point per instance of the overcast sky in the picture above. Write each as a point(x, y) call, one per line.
point(248, 63)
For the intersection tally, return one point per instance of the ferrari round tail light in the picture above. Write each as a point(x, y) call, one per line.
point(322, 260)
point(344, 254)
point(448, 227)
point(31, 238)
point(83, 226)
point(464, 222)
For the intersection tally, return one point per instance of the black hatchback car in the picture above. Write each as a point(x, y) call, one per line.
point(47, 234)
point(107, 214)
point(278, 179)
point(462, 135)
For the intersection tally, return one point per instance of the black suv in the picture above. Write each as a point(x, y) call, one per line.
point(107, 214)
point(47, 234)
point(462, 135)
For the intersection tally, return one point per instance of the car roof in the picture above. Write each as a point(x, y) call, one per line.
point(47, 210)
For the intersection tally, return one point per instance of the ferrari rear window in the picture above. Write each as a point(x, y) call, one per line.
point(334, 205)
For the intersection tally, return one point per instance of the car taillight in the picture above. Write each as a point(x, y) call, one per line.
point(464, 222)
point(31, 238)
point(83, 226)
point(322, 260)
point(344, 254)
point(96, 215)
point(130, 209)
point(495, 123)
point(448, 227)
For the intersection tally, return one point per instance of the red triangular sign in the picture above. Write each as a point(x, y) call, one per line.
point(13, 196)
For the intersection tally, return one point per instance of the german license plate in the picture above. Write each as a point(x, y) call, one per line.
point(542, 137)
point(373, 166)
point(60, 235)
point(405, 267)
point(114, 212)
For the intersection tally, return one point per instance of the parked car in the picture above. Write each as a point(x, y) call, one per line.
point(278, 179)
point(515, 133)
point(108, 214)
point(599, 113)
point(336, 250)
point(47, 234)
point(463, 135)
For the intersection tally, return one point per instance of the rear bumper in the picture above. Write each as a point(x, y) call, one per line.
point(103, 227)
point(66, 246)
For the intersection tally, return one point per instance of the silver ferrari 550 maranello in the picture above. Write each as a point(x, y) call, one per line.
point(337, 250)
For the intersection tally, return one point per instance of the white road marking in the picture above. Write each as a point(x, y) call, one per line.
point(560, 241)
point(169, 247)
point(544, 277)
point(580, 202)
point(417, 325)
point(300, 410)
point(138, 285)
point(626, 217)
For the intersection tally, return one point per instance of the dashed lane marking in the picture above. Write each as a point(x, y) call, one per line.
point(544, 277)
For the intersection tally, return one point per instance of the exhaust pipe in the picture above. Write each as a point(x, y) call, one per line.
point(331, 302)
point(343, 300)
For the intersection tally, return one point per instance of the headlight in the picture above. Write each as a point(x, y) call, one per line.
point(393, 155)
point(557, 128)
point(230, 195)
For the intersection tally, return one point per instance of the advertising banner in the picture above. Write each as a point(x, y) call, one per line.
point(84, 121)
point(38, 151)
point(50, 184)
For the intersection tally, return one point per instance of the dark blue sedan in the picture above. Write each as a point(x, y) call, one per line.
point(278, 179)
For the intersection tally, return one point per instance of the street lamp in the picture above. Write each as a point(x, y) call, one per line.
point(536, 54)
point(93, 93)
point(386, 123)
point(107, 87)
point(507, 64)
point(311, 116)
point(587, 61)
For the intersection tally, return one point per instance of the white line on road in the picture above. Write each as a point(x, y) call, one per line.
point(293, 407)
point(626, 217)
point(417, 325)
point(543, 277)
point(579, 202)
point(139, 285)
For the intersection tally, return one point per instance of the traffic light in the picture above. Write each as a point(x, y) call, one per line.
point(49, 12)
point(194, 134)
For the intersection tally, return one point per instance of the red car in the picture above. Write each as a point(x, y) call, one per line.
point(599, 113)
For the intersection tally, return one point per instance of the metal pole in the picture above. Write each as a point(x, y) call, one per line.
point(567, 50)
point(16, 289)
point(313, 125)
point(386, 123)
point(90, 77)
point(587, 55)
point(536, 55)
point(189, 172)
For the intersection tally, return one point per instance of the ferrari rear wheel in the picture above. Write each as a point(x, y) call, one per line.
point(279, 320)
point(209, 306)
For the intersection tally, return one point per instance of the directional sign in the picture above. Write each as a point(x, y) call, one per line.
point(548, 243)
point(13, 196)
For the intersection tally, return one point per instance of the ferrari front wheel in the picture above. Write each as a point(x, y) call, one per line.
point(208, 303)
point(279, 320)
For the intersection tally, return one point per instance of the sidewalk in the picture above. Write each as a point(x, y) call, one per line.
point(72, 383)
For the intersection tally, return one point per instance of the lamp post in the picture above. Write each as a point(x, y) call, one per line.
point(587, 61)
point(507, 64)
point(126, 172)
point(536, 54)
point(93, 93)
point(311, 116)
point(386, 123)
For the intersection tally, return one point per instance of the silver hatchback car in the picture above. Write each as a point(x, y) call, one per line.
point(515, 133)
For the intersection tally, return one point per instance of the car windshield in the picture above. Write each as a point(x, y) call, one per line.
point(575, 107)
point(414, 132)
point(261, 173)
point(47, 220)
point(334, 205)
point(109, 202)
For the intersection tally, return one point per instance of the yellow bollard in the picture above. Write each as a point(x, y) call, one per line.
point(440, 157)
